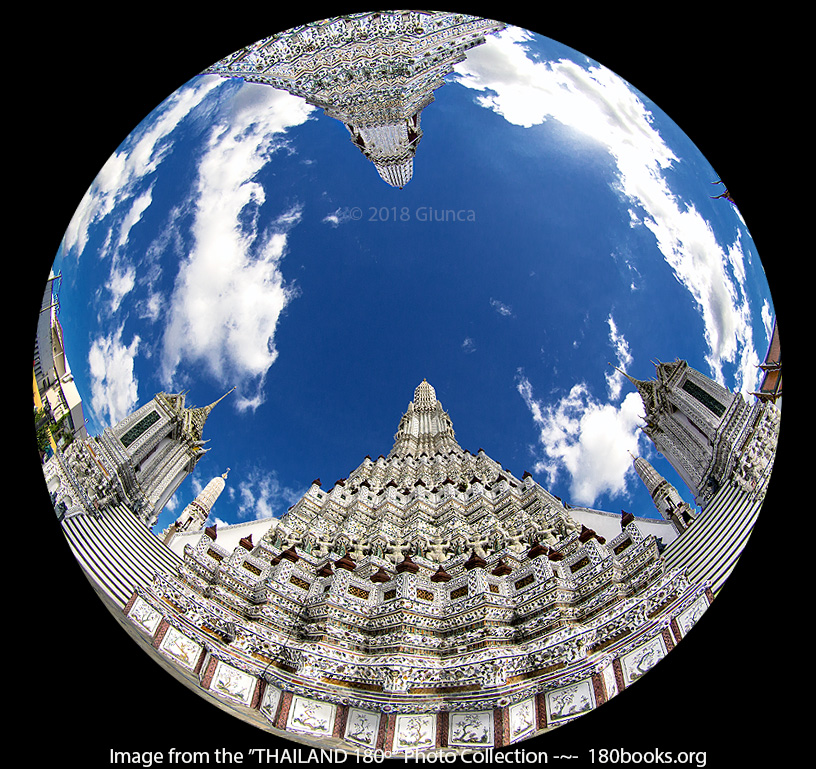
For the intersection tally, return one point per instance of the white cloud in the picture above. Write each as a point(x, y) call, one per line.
point(468, 345)
point(585, 439)
point(134, 214)
point(261, 495)
point(120, 284)
point(151, 307)
point(117, 198)
point(122, 277)
point(593, 101)
point(230, 292)
point(117, 182)
point(114, 387)
point(623, 359)
point(603, 108)
point(197, 485)
point(338, 217)
point(501, 307)
point(702, 266)
point(767, 319)
point(168, 240)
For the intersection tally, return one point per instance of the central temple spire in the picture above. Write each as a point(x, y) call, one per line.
point(424, 397)
point(425, 426)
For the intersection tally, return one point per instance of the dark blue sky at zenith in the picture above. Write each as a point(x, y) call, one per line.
point(238, 238)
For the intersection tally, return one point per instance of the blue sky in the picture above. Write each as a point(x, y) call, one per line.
point(219, 247)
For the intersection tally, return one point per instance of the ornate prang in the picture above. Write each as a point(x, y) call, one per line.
point(375, 72)
point(417, 583)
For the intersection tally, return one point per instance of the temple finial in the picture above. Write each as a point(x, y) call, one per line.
point(215, 403)
point(621, 371)
point(198, 416)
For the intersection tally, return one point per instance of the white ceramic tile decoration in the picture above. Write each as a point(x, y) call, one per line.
point(688, 618)
point(270, 701)
point(232, 683)
point(642, 659)
point(471, 729)
point(182, 649)
point(522, 719)
point(414, 732)
point(311, 716)
point(362, 726)
point(144, 615)
point(570, 701)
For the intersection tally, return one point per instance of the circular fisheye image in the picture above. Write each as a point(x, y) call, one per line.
point(407, 384)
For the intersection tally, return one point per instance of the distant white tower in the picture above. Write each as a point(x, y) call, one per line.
point(666, 498)
point(195, 515)
point(375, 72)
